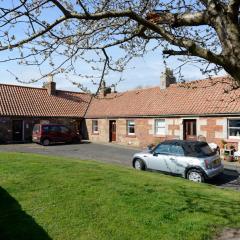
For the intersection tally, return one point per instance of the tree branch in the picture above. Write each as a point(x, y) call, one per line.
point(179, 20)
point(171, 52)
point(61, 7)
point(186, 43)
point(233, 9)
point(83, 7)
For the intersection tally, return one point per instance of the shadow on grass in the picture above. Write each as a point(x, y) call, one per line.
point(15, 224)
point(199, 202)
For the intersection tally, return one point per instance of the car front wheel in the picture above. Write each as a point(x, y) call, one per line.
point(195, 175)
point(139, 164)
point(46, 142)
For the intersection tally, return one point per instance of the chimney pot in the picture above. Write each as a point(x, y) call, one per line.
point(103, 90)
point(167, 78)
point(50, 78)
point(50, 86)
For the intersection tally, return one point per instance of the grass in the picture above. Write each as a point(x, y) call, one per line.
point(44, 198)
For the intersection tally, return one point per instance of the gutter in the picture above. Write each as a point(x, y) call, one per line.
point(167, 116)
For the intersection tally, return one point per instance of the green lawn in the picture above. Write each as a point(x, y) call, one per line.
point(43, 198)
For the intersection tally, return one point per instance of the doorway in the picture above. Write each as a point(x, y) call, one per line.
point(17, 130)
point(112, 130)
point(190, 129)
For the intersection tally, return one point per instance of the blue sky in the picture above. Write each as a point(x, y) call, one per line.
point(144, 72)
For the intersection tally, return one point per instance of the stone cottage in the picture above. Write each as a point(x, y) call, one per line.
point(206, 109)
point(22, 107)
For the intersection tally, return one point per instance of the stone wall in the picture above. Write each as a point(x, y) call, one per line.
point(103, 127)
point(214, 129)
point(144, 131)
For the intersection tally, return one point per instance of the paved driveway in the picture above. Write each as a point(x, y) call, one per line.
point(86, 151)
point(108, 153)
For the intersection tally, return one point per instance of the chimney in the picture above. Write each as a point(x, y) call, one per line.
point(103, 90)
point(50, 85)
point(167, 78)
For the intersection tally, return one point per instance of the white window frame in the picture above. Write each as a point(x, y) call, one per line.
point(129, 126)
point(95, 128)
point(156, 127)
point(228, 128)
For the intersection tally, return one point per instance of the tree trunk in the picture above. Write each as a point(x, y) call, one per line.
point(235, 73)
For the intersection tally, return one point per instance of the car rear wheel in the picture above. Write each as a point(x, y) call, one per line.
point(195, 175)
point(139, 164)
point(46, 142)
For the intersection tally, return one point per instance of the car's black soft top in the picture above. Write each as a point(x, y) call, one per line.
point(183, 142)
point(192, 148)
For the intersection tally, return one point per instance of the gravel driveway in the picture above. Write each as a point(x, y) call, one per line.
point(109, 153)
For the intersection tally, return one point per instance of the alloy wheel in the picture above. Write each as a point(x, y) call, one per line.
point(195, 176)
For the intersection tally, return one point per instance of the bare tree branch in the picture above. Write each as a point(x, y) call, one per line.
point(205, 32)
point(178, 20)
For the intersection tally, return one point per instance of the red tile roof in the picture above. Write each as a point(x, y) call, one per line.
point(27, 101)
point(210, 96)
point(203, 97)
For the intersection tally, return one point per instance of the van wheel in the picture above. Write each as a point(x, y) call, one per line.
point(46, 142)
point(195, 175)
point(76, 140)
point(139, 164)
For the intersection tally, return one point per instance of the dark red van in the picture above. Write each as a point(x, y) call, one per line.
point(46, 134)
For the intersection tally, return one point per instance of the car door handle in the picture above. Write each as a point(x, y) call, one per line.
point(172, 159)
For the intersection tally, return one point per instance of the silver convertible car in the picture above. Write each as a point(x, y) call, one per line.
point(193, 160)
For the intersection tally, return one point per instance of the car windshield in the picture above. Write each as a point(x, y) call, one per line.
point(36, 128)
point(198, 150)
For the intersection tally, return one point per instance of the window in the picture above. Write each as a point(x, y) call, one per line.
point(234, 128)
point(162, 149)
point(197, 150)
point(45, 129)
point(54, 129)
point(95, 126)
point(177, 150)
point(64, 129)
point(36, 129)
point(130, 127)
point(160, 127)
